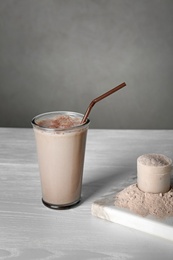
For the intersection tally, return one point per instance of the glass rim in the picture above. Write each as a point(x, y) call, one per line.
point(70, 113)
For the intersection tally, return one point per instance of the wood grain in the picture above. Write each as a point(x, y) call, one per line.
point(29, 230)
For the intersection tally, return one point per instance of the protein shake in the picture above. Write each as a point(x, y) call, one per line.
point(60, 139)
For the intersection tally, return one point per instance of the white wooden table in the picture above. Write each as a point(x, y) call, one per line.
point(29, 230)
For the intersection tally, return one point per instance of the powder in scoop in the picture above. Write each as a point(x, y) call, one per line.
point(154, 160)
point(144, 203)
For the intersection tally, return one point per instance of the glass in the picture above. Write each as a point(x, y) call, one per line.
point(61, 158)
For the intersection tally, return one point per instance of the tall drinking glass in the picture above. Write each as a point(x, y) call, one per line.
point(61, 159)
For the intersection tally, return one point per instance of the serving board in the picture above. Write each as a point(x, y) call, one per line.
point(104, 208)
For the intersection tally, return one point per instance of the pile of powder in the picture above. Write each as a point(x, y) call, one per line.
point(141, 203)
point(154, 160)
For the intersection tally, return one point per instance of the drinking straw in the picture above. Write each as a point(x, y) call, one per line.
point(94, 101)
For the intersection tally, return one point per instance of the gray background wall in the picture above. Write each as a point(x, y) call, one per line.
point(60, 54)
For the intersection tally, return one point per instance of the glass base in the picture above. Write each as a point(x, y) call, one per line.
point(61, 207)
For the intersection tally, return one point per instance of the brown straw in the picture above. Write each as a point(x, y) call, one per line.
point(94, 101)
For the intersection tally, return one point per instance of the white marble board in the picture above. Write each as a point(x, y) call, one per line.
point(104, 208)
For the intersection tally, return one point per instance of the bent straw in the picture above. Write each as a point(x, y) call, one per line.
point(94, 101)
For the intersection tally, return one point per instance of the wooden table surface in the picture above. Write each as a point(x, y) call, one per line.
point(29, 230)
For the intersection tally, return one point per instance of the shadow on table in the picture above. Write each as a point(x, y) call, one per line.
point(107, 182)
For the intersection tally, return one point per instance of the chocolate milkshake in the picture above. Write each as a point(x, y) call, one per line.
point(60, 139)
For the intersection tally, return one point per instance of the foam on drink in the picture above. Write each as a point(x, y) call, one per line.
point(60, 122)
